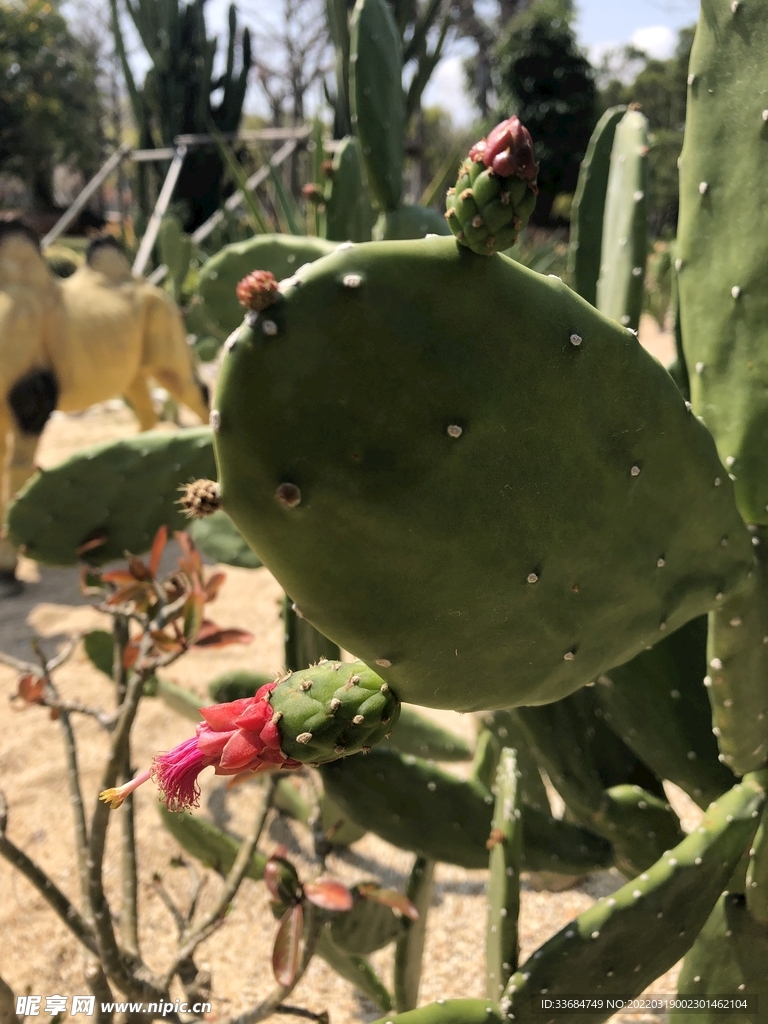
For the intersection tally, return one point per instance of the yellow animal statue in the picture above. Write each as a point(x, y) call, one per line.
point(67, 344)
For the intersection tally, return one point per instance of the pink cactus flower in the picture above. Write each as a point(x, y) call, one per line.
point(239, 736)
point(508, 151)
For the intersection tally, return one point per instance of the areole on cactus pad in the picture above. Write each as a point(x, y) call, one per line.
point(319, 714)
point(467, 476)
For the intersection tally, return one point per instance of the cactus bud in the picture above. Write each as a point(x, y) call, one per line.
point(200, 498)
point(258, 290)
point(496, 190)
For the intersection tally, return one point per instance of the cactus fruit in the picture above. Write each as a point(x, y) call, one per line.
point(437, 815)
point(625, 232)
point(506, 849)
point(450, 1011)
point(118, 493)
point(496, 190)
point(729, 957)
point(723, 241)
point(349, 215)
point(282, 255)
point(737, 673)
point(587, 210)
point(658, 705)
point(600, 954)
point(409, 222)
point(217, 537)
point(322, 499)
point(376, 98)
point(409, 951)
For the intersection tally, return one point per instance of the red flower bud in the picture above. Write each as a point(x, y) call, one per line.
point(508, 151)
point(258, 290)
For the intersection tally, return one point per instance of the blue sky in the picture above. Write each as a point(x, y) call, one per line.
point(650, 24)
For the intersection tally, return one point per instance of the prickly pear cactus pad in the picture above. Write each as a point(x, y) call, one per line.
point(119, 493)
point(723, 241)
point(467, 476)
point(219, 276)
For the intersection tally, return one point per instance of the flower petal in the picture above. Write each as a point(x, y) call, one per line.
point(241, 750)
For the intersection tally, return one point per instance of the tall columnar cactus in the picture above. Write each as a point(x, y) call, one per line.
point(588, 209)
point(398, 455)
point(625, 232)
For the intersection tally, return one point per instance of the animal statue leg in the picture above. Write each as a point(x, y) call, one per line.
point(9, 585)
point(20, 468)
point(190, 391)
point(139, 396)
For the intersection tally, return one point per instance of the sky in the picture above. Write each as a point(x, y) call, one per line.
point(601, 24)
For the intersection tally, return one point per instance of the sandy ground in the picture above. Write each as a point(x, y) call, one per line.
point(38, 955)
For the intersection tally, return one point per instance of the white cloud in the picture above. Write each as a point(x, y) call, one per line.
point(657, 41)
point(447, 89)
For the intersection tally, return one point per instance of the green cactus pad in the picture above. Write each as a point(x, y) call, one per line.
point(450, 1011)
point(349, 215)
point(723, 241)
point(482, 521)
point(337, 828)
point(729, 957)
point(658, 705)
point(508, 731)
point(376, 98)
point(120, 490)
point(409, 222)
point(303, 644)
point(587, 210)
point(415, 734)
point(283, 255)
point(501, 938)
point(409, 951)
point(354, 969)
point(207, 843)
point(368, 926)
point(235, 685)
point(639, 826)
point(737, 674)
point(217, 537)
point(486, 212)
point(627, 940)
point(625, 231)
point(332, 710)
point(414, 805)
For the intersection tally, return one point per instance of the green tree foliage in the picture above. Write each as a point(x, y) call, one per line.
point(50, 108)
point(660, 87)
point(177, 96)
point(544, 78)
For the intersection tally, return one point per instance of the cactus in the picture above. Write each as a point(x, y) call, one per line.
point(175, 251)
point(432, 813)
point(625, 233)
point(450, 1011)
point(658, 705)
point(414, 734)
point(109, 498)
point(349, 215)
point(207, 843)
point(446, 443)
point(409, 222)
point(506, 850)
point(355, 969)
point(587, 210)
point(728, 958)
point(282, 255)
point(757, 875)
point(723, 241)
point(510, 733)
point(599, 954)
point(217, 537)
point(410, 945)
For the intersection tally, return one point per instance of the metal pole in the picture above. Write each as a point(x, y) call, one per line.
point(163, 200)
point(236, 199)
point(66, 219)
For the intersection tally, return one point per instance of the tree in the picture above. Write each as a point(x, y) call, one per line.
point(543, 77)
point(50, 107)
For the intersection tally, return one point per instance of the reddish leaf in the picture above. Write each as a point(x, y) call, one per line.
point(184, 541)
point(138, 570)
point(165, 643)
point(120, 577)
point(31, 689)
point(213, 585)
point(211, 635)
point(389, 898)
point(130, 654)
point(128, 593)
point(92, 542)
point(329, 894)
point(286, 954)
point(158, 546)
